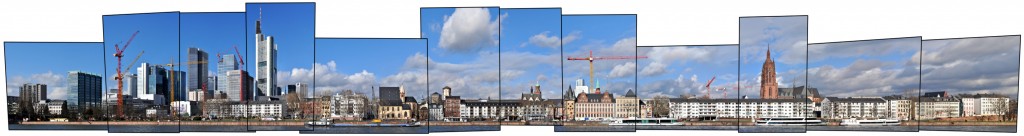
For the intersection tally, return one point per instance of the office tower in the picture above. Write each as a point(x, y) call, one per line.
point(266, 61)
point(30, 95)
point(178, 78)
point(225, 64)
point(302, 89)
point(197, 68)
point(131, 85)
point(239, 85)
point(581, 87)
point(84, 91)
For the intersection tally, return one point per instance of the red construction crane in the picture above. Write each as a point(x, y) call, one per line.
point(118, 53)
point(707, 94)
point(240, 61)
point(241, 64)
point(591, 58)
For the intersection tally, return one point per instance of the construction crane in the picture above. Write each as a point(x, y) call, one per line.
point(241, 65)
point(707, 87)
point(171, 74)
point(119, 53)
point(591, 59)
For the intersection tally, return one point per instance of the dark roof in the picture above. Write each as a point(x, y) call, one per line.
point(981, 96)
point(405, 107)
point(569, 94)
point(738, 100)
point(938, 99)
point(935, 94)
point(852, 99)
point(410, 99)
point(799, 91)
point(491, 102)
point(630, 93)
point(894, 97)
point(597, 97)
point(391, 103)
point(390, 93)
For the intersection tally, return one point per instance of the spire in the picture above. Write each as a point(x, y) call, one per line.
point(598, 84)
point(769, 54)
point(258, 20)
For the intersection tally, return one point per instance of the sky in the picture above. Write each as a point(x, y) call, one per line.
point(214, 33)
point(787, 37)
point(865, 68)
point(463, 50)
point(291, 25)
point(605, 35)
point(677, 70)
point(972, 65)
point(158, 37)
point(25, 65)
point(530, 52)
point(358, 64)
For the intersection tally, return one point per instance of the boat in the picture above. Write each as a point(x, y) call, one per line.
point(788, 121)
point(646, 122)
point(870, 122)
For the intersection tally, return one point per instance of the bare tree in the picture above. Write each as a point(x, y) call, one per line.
point(660, 106)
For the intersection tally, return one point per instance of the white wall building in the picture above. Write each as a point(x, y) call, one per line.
point(984, 105)
point(739, 108)
point(855, 107)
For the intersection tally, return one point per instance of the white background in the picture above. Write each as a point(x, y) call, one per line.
point(672, 22)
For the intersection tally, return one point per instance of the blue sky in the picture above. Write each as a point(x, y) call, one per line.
point(214, 33)
point(291, 25)
point(530, 52)
point(25, 65)
point(677, 70)
point(357, 64)
point(463, 46)
point(158, 37)
point(787, 37)
point(869, 68)
point(972, 65)
point(605, 35)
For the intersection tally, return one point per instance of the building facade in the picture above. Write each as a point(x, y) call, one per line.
point(855, 107)
point(266, 61)
point(30, 95)
point(769, 86)
point(738, 108)
point(198, 68)
point(348, 105)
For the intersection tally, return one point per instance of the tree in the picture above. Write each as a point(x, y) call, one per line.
point(660, 106)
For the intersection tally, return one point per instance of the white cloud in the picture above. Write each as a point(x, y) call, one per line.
point(623, 70)
point(544, 40)
point(468, 30)
point(655, 68)
point(55, 84)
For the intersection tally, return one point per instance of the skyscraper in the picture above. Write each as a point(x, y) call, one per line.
point(197, 72)
point(85, 91)
point(225, 64)
point(153, 83)
point(179, 89)
point(581, 87)
point(239, 85)
point(302, 89)
point(266, 60)
point(30, 95)
point(769, 87)
point(131, 85)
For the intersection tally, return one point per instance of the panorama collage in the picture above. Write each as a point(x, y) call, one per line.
point(480, 68)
